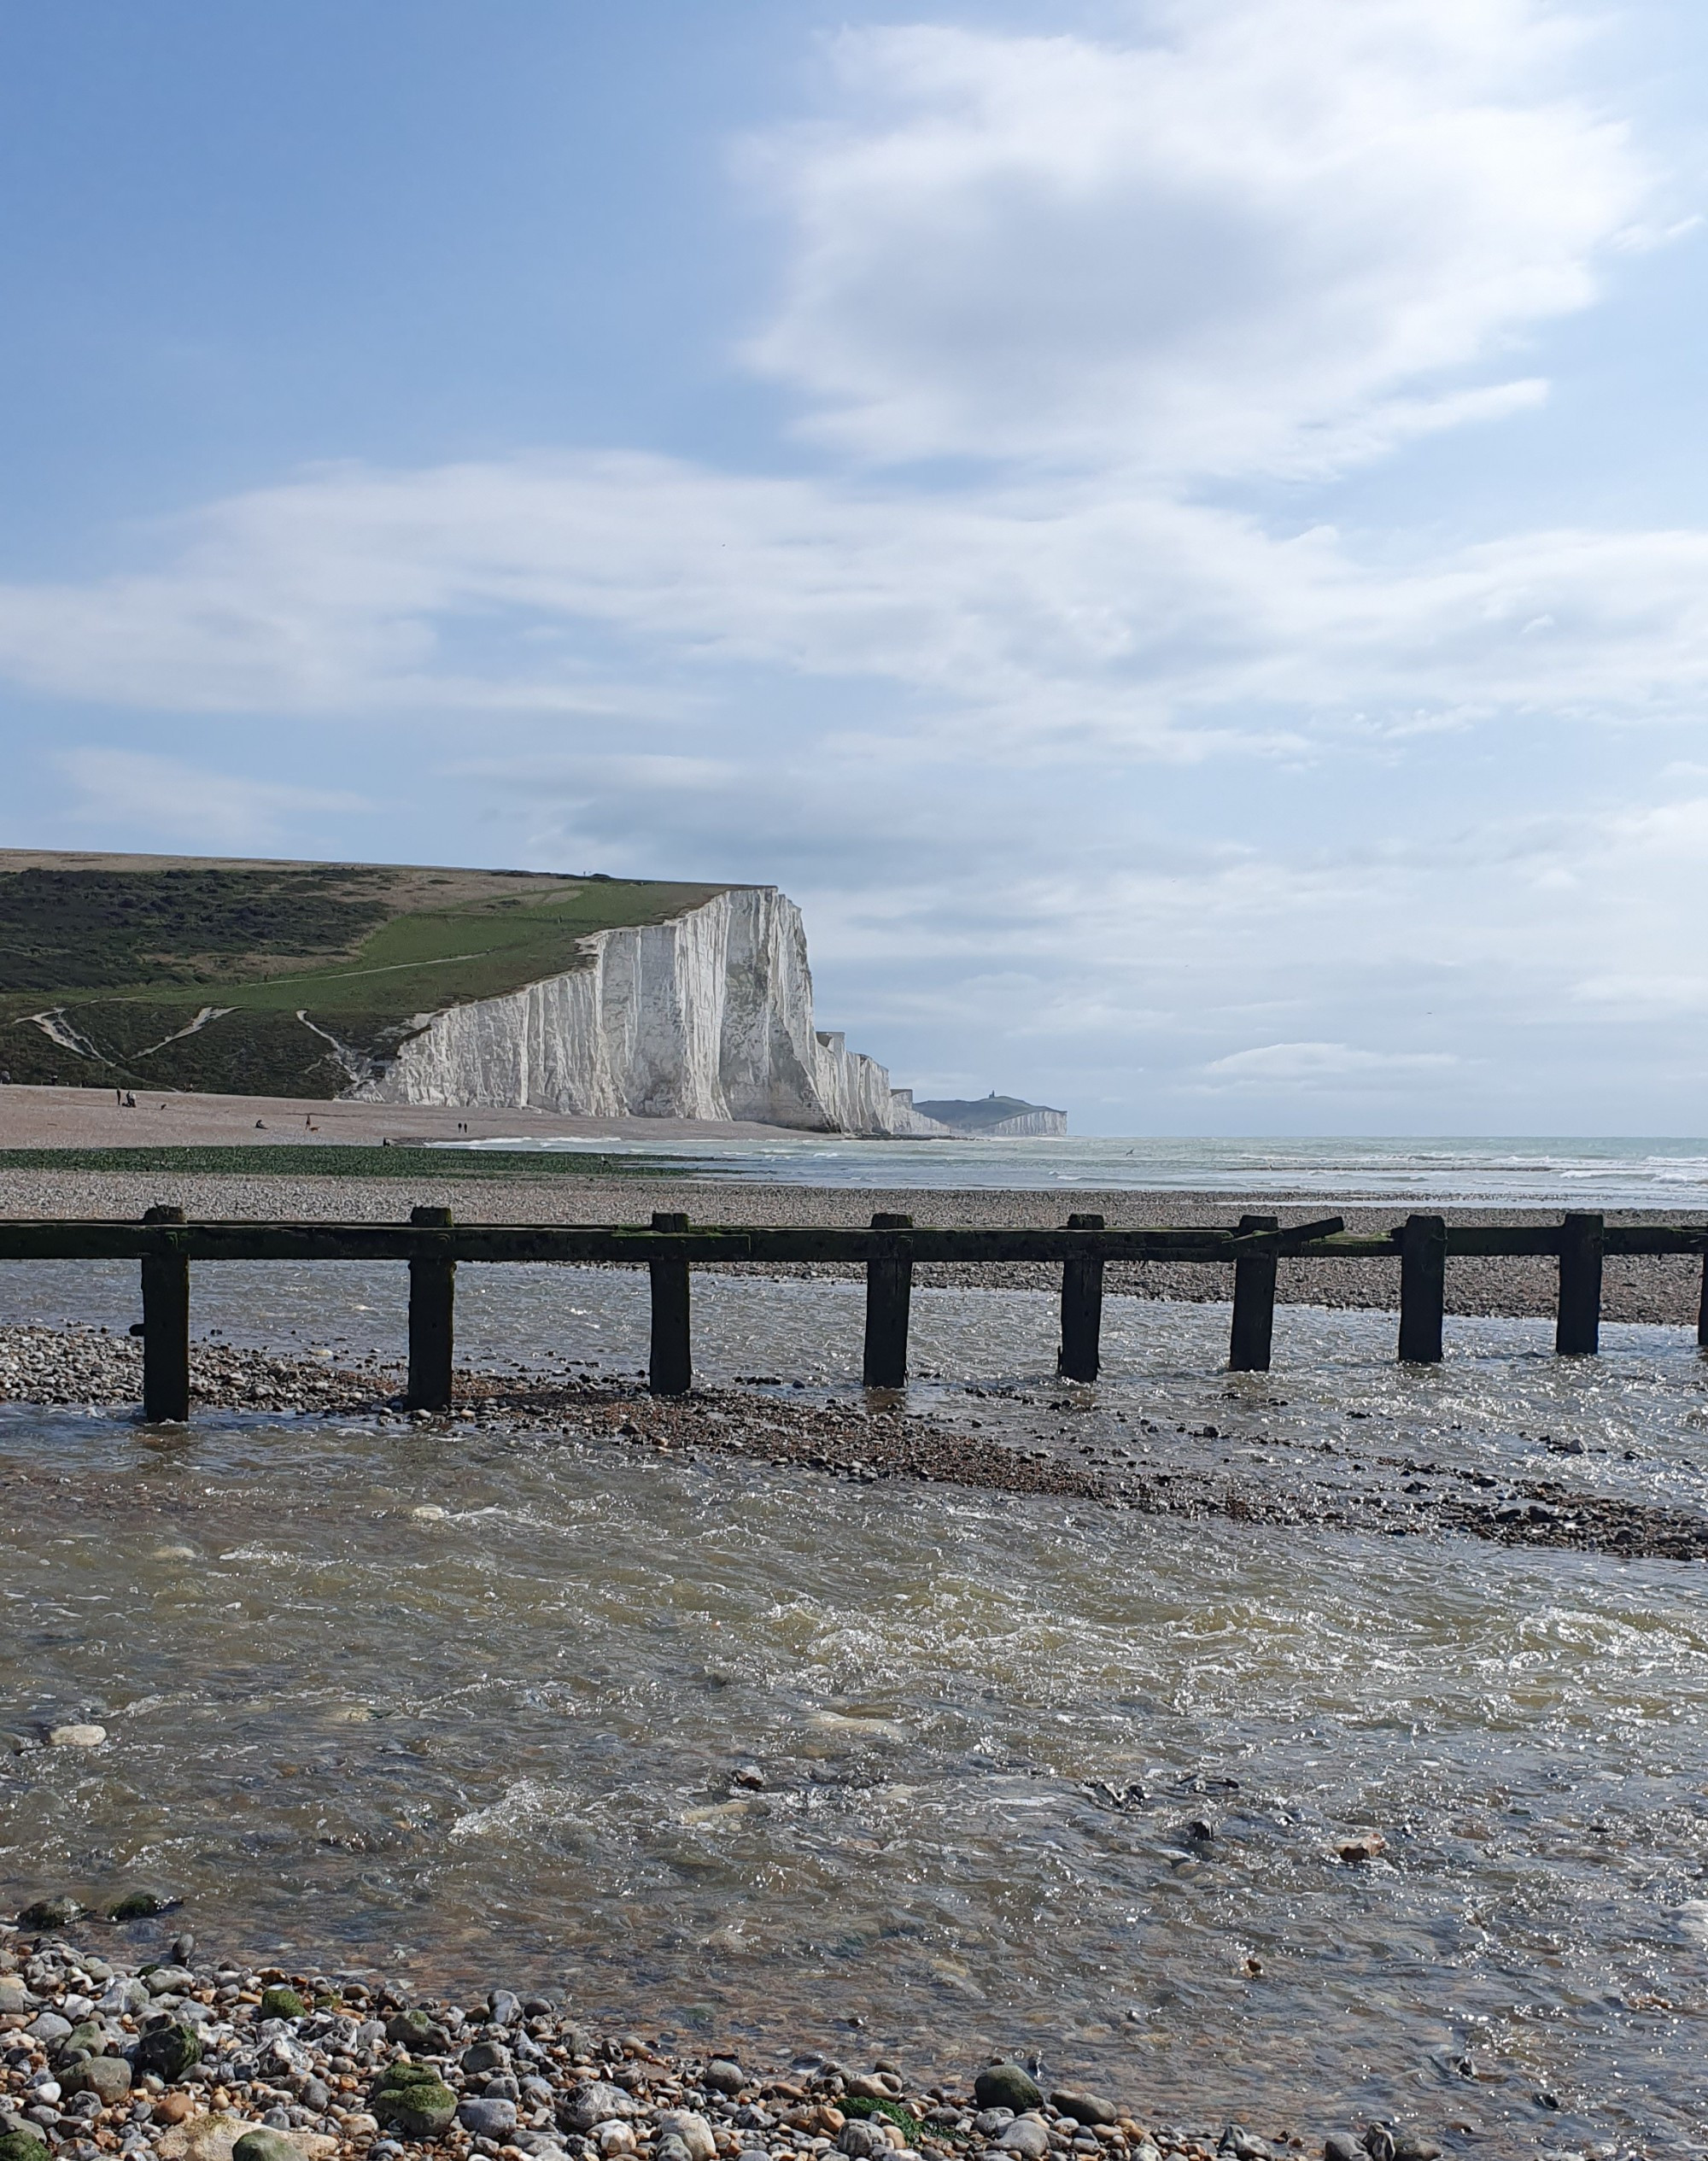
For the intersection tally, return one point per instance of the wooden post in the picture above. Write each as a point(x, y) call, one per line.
point(1082, 1308)
point(166, 1328)
point(1253, 1338)
point(889, 1293)
point(669, 1370)
point(1423, 1289)
point(1702, 1310)
point(1577, 1330)
point(432, 1306)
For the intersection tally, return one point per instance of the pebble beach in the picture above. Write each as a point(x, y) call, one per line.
point(194, 2059)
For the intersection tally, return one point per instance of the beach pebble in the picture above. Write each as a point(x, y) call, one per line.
point(77, 1737)
point(865, 2139)
point(1028, 2135)
point(503, 2008)
point(1005, 2085)
point(598, 2102)
point(487, 2119)
point(14, 1995)
point(264, 2145)
point(1083, 2107)
point(430, 1512)
point(693, 2131)
point(613, 2138)
point(47, 2026)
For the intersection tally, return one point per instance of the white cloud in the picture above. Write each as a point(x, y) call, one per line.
point(631, 590)
point(155, 800)
point(1262, 235)
point(1323, 1061)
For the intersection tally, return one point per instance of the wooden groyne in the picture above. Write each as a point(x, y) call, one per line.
point(433, 1245)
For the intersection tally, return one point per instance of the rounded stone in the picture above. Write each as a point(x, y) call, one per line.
point(414, 2101)
point(139, 1905)
point(487, 2119)
point(693, 2129)
point(862, 2139)
point(49, 1913)
point(1028, 2136)
point(1083, 2107)
point(414, 2029)
point(1006, 2085)
point(22, 2146)
point(168, 2052)
point(106, 2076)
point(282, 2003)
point(77, 1736)
point(266, 2145)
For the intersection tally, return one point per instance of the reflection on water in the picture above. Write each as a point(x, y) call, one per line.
point(502, 1741)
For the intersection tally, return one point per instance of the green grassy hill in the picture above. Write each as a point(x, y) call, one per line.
point(176, 972)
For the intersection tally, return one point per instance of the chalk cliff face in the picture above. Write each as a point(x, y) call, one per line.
point(707, 1015)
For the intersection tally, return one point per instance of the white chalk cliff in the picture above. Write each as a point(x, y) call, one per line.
point(707, 1015)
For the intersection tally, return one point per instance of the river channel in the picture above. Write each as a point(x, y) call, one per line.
point(1038, 1775)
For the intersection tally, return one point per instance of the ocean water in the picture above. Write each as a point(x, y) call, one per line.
point(498, 1740)
point(1623, 1174)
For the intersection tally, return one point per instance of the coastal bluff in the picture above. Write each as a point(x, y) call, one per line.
point(707, 1015)
point(584, 996)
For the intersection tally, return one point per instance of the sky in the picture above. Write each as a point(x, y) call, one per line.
point(1178, 533)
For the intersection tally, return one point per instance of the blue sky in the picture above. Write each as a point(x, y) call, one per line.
point(1179, 533)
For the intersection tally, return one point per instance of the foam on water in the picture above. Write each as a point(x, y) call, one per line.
point(1618, 1173)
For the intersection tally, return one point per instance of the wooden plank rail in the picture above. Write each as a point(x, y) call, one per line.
point(432, 1244)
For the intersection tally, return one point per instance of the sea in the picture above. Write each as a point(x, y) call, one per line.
point(1523, 1172)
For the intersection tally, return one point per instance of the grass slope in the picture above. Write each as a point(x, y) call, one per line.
point(168, 972)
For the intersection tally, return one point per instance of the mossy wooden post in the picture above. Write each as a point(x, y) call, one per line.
point(669, 1370)
point(432, 1304)
point(889, 1294)
point(166, 1328)
point(1423, 1288)
point(1577, 1327)
point(1082, 1308)
point(1251, 1340)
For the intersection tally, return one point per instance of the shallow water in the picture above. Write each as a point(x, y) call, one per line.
point(500, 1742)
point(1618, 1173)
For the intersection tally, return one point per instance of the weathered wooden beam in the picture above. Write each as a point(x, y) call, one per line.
point(1423, 1289)
point(1702, 1310)
point(432, 1320)
point(166, 1326)
point(1577, 1327)
point(1268, 1237)
point(1252, 1339)
point(669, 1370)
point(889, 1294)
point(1082, 1308)
point(1653, 1238)
point(633, 1245)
